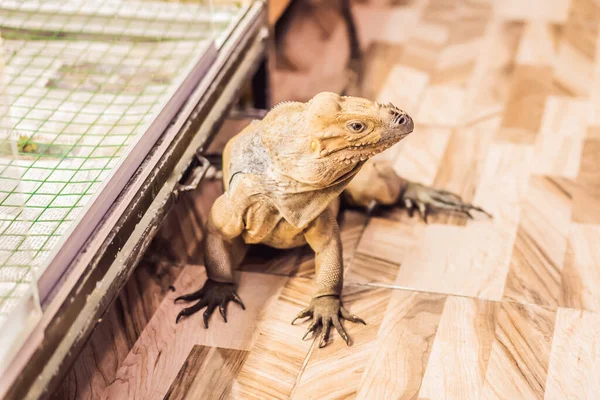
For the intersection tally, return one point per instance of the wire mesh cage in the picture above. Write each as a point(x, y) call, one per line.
point(79, 82)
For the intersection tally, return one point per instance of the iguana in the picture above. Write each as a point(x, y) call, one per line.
point(283, 178)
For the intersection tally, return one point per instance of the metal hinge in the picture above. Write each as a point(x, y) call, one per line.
point(195, 177)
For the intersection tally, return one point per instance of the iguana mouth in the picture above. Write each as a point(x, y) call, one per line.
point(363, 151)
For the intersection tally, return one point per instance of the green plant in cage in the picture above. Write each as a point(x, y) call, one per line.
point(25, 145)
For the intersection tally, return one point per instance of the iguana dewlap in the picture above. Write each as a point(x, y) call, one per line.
point(283, 177)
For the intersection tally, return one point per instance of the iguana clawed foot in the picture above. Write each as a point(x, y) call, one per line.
point(327, 311)
point(212, 295)
point(422, 198)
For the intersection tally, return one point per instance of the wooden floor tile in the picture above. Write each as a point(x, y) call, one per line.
point(278, 354)
point(379, 23)
point(576, 55)
point(522, 119)
point(586, 206)
point(539, 250)
point(339, 363)
point(408, 93)
point(518, 364)
point(208, 372)
point(581, 275)
point(538, 44)
point(366, 269)
point(558, 147)
point(574, 371)
point(422, 50)
point(445, 255)
point(460, 167)
point(421, 154)
point(541, 10)
point(389, 241)
point(466, 32)
point(457, 260)
point(461, 350)
point(163, 346)
point(442, 11)
point(352, 227)
point(380, 59)
point(441, 106)
point(401, 353)
point(488, 87)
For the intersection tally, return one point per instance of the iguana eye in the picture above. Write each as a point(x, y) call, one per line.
point(356, 126)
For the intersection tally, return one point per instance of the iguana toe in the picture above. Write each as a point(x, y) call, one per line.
point(327, 311)
point(303, 314)
point(424, 198)
point(212, 295)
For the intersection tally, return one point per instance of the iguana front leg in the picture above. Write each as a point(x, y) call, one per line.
point(377, 183)
point(326, 308)
point(224, 250)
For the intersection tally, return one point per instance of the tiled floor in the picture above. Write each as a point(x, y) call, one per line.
point(504, 95)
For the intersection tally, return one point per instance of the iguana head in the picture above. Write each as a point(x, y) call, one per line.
point(330, 136)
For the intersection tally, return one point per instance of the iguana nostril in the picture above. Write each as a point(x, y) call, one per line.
point(400, 119)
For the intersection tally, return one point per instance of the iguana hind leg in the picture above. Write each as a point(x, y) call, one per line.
point(378, 184)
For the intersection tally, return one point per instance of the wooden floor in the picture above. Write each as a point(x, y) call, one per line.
point(506, 99)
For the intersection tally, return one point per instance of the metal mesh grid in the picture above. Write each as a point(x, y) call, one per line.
point(79, 79)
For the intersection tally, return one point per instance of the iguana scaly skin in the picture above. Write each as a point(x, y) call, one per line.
point(283, 177)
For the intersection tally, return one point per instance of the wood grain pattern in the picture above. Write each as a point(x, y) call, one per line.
point(531, 86)
point(518, 364)
point(481, 250)
point(574, 371)
point(540, 245)
point(419, 157)
point(152, 364)
point(461, 350)
point(339, 363)
point(575, 59)
point(442, 12)
point(466, 33)
point(540, 10)
point(380, 58)
point(387, 240)
point(409, 92)
point(378, 23)
point(208, 372)
point(367, 269)
point(441, 106)
point(489, 85)
point(460, 168)
point(580, 275)
point(422, 49)
point(558, 147)
point(278, 354)
point(586, 207)
point(446, 255)
point(115, 336)
point(401, 353)
point(538, 44)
